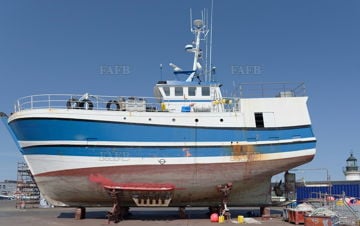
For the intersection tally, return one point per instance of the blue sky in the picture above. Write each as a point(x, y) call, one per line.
point(60, 47)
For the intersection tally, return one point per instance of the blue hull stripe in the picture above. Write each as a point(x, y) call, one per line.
point(84, 130)
point(121, 152)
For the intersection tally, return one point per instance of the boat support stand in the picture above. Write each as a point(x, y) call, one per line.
point(225, 189)
point(117, 212)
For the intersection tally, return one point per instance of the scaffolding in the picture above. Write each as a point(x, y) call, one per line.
point(27, 192)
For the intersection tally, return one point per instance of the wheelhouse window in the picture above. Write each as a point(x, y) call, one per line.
point(166, 90)
point(179, 91)
point(205, 91)
point(192, 91)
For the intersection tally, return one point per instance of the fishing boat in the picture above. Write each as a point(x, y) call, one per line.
point(187, 146)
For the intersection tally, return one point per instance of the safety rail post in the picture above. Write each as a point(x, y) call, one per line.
point(97, 102)
point(241, 90)
point(17, 106)
point(284, 87)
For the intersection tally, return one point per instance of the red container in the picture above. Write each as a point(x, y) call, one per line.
point(320, 221)
point(296, 217)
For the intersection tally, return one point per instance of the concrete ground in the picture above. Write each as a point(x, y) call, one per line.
point(10, 216)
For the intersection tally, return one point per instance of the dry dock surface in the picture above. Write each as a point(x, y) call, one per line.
point(10, 216)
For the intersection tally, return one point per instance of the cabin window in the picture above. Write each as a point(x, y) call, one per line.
point(259, 120)
point(192, 91)
point(205, 91)
point(179, 91)
point(166, 90)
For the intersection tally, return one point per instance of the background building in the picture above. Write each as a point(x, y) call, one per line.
point(351, 171)
point(7, 189)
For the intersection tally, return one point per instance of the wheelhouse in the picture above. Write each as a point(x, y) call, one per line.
point(177, 96)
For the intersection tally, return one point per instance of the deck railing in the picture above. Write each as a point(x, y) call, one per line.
point(130, 103)
point(86, 102)
point(271, 89)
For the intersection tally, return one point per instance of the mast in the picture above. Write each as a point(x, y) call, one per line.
point(198, 29)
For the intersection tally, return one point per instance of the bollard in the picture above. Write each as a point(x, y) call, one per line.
point(240, 219)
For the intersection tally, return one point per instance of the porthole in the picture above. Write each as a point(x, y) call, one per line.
point(221, 120)
point(173, 119)
point(149, 119)
point(124, 118)
point(196, 120)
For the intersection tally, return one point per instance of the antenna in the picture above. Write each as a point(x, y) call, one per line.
point(206, 71)
point(191, 29)
point(211, 34)
point(161, 68)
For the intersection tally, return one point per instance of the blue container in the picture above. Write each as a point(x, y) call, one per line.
point(185, 109)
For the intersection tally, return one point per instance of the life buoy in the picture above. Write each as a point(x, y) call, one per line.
point(86, 104)
point(111, 102)
point(72, 103)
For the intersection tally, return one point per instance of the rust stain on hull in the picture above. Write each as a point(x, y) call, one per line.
point(244, 153)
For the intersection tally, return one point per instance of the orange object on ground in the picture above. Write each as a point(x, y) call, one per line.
point(214, 217)
point(320, 221)
point(295, 216)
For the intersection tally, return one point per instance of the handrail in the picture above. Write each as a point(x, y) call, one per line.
point(98, 102)
point(86, 101)
point(270, 89)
